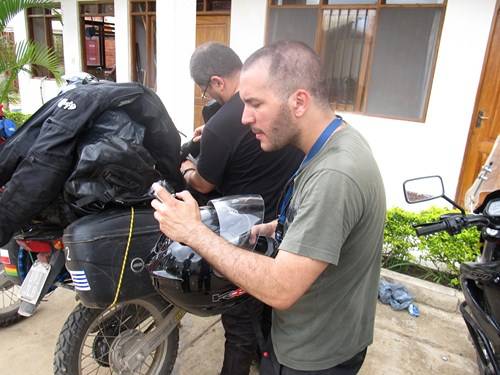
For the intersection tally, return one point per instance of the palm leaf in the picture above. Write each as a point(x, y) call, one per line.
point(9, 8)
point(26, 53)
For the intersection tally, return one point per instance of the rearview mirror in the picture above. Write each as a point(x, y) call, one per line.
point(423, 189)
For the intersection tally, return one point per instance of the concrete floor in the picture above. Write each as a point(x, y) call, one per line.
point(434, 343)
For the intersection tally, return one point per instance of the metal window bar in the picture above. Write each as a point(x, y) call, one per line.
point(344, 42)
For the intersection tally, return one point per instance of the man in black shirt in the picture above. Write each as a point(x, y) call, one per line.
point(232, 162)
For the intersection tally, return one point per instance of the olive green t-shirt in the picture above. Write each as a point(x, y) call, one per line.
point(336, 215)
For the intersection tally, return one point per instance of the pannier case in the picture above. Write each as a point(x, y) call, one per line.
point(95, 248)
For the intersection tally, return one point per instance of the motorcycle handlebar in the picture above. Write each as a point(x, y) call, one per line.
point(432, 228)
point(453, 224)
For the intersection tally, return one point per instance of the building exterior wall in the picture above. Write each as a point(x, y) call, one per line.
point(406, 149)
point(403, 149)
point(175, 38)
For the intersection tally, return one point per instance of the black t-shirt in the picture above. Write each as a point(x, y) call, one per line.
point(232, 160)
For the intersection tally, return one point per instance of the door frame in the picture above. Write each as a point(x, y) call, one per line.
point(461, 189)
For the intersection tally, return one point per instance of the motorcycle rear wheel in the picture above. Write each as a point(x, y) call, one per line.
point(83, 346)
point(9, 293)
point(9, 300)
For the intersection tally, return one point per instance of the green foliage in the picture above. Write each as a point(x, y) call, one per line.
point(18, 117)
point(439, 255)
point(21, 56)
point(9, 8)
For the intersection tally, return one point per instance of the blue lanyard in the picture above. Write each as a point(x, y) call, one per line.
point(287, 197)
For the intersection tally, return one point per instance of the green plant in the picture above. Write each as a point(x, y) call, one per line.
point(18, 117)
point(21, 56)
point(436, 257)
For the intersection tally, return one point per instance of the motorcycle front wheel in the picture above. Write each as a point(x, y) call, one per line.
point(86, 340)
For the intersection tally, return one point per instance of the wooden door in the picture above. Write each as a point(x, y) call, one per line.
point(485, 124)
point(209, 28)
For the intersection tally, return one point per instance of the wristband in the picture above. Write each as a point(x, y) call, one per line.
point(187, 170)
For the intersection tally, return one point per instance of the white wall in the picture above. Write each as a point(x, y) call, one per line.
point(71, 37)
point(122, 41)
point(176, 38)
point(248, 26)
point(34, 91)
point(405, 149)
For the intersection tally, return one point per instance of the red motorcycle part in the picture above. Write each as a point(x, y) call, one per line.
point(36, 246)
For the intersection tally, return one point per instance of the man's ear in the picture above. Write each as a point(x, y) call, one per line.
point(300, 101)
point(217, 81)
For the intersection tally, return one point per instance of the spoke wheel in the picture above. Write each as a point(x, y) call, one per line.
point(9, 295)
point(87, 341)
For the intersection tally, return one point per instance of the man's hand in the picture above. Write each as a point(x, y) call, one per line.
point(197, 133)
point(265, 230)
point(179, 216)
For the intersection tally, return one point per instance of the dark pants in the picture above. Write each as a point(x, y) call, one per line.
point(271, 366)
point(241, 347)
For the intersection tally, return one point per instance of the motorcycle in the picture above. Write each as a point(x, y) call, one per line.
point(32, 263)
point(480, 280)
point(135, 285)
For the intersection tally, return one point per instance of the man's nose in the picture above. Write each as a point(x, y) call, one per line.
point(247, 117)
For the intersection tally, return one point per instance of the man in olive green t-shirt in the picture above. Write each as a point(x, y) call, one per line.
point(322, 284)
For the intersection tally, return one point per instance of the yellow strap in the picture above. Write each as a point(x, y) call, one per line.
point(129, 240)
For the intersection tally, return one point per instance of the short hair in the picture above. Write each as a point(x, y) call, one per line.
point(211, 59)
point(292, 65)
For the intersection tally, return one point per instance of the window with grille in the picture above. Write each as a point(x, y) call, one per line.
point(378, 55)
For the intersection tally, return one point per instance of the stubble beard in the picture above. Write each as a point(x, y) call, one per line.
point(283, 130)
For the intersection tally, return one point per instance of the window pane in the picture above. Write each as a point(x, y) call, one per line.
point(404, 52)
point(36, 10)
point(57, 41)
point(109, 46)
point(330, 2)
point(199, 5)
point(215, 5)
point(295, 2)
point(140, 48)
point(152, 55)
point(344, 52)
point(139, 7)
point(283, 24)
point(90, 9)
point(152, 6)
point(39, 30)
point(108, 9)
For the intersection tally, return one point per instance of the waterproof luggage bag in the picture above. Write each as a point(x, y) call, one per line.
point(97, 256)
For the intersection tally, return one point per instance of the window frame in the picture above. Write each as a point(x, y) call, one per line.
point(48, 17)
point(361, 103)
point(150, 17)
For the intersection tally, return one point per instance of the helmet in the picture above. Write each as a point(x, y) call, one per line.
point(187, 280)
point(76, 79)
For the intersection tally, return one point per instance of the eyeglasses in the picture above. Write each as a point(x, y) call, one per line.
point(204, 96)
